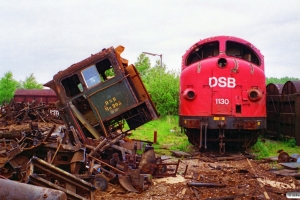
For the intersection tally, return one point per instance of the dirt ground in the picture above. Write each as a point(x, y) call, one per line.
point(237, 178)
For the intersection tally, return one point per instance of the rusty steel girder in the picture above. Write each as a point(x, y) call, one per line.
point(74, 187)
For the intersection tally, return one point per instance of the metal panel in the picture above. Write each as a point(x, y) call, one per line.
point(291, 87)
point(274, 89)
point(112, 100)
point(283, 108)
point(290, 110)
point(273, 108)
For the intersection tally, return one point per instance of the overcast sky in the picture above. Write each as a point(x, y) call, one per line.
point(44, 37)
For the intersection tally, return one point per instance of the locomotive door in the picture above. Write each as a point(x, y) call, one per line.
point(221, 96)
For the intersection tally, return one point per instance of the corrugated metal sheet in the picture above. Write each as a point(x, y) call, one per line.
point(283, 110)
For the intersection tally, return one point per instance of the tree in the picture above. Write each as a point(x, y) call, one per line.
point(280, 80)
point(143, 64)
point(7, 87)
point(31, 83)
point(162, 85)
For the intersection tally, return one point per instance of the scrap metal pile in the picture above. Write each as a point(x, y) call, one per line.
point(25, 112)
point(100, 100)
point(57, 159)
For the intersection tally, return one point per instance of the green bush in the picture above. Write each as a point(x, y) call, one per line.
point(260, 149)
point(291, 143)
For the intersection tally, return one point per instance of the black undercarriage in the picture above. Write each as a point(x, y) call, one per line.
point(222, 139)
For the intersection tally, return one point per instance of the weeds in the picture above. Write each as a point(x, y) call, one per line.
point(265, 148)
point(168, 134)
point(260, 149)
point(290, 142)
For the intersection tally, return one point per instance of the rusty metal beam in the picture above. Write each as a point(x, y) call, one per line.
point(72, 183)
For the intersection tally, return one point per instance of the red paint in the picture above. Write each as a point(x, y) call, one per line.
point(222, 92)
point(218, 90)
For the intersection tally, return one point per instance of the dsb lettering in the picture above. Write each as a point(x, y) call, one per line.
point(222, 82)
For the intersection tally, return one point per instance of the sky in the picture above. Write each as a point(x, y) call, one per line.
point(44, 37)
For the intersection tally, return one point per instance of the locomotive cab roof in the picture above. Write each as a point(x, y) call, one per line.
point(221, 46)
point(103, 60)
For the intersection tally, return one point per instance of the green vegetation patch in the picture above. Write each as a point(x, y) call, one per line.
point(266, 148)
point(169, 136)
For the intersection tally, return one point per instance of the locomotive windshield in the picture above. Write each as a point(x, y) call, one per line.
point(205, 51)
point(241, 51)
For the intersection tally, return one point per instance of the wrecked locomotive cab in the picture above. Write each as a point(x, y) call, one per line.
point(101, 94)
point(100, 99)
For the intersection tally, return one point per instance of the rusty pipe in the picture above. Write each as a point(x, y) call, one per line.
point(49, 133)
point(104, 163)
point(100, 145)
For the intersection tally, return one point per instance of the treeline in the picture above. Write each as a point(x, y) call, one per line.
point(8, 86)
point(280, 80)
point(162, 84)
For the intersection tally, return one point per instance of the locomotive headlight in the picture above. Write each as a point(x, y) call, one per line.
point(222, 63)
point(254, 94)
point(189, 94)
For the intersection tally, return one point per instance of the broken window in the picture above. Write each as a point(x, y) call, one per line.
point(98, 73)
point(105, 69)
point(72, 85)
point(205, 51)
point(91, 76)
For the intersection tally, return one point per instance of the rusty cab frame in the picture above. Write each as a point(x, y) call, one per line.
point(101, 95)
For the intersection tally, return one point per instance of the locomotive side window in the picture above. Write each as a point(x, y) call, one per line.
point(105, 69)
point(91, 76)
point(98, 73)
point(72, 85)
point(205, 51)
point(242, 51)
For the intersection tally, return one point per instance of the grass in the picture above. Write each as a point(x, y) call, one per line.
point(169, 137)
point(266, 148)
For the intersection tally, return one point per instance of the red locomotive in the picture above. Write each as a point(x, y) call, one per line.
point(222, 93)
